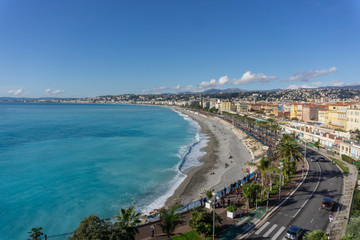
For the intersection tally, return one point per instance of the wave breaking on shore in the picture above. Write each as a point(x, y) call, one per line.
point(189, 157)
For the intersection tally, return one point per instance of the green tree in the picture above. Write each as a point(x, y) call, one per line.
point(250, 192)
point(36, 233)
point(262, 166)
point(127, 222)
point(271, 174)
point(92, 228)
point(170, 220)
point(290, 153)
point(209, 193)
point(353, 229)
point(315, 235)
point(202, 221)
point(317, 144)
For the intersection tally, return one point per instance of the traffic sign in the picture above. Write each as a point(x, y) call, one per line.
point(331, 218)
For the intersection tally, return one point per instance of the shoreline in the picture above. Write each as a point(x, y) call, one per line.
point(226, 145)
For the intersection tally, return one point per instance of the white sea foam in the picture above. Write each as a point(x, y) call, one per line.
point(160, 201)
point(189, 156)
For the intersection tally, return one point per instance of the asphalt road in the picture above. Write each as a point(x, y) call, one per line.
point(304, 207)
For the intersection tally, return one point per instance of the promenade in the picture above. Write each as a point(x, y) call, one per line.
point(232, 228)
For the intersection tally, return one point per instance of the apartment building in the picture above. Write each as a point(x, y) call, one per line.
point(337, 115)
point(353, 117)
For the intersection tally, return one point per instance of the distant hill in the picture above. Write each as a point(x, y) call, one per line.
point(229, 90)
point(357, 87)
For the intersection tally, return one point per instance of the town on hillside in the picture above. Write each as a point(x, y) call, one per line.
point(326, 117)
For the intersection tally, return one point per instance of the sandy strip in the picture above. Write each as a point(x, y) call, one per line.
point(224, 146)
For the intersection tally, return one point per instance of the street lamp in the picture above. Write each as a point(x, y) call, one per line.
point(213, 203)
point(280, 168)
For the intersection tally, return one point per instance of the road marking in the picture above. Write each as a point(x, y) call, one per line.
point(242, 221)
point(311, 220)
point(311, 193)
point(262, 228)
point(270, 230)
point(278, 233)
point(250, 225)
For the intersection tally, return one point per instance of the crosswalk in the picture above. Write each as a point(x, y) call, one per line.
point(270, 230)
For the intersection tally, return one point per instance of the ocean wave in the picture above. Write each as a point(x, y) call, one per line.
point(160, 201)
point(189, 156)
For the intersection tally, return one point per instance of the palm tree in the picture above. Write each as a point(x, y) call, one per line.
point(209, 193)
point(36, 233)
point(127, 221)
point(261, 166)
point(271, 174)
point(250, 193)
point(170, 220)
point(289, 153)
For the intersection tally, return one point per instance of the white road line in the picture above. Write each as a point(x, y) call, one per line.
point(311, 193)
point(278, 233)
point(242, 221)
point(249, 225)
point(312, 220)
point(270, 230)
point(262, 228)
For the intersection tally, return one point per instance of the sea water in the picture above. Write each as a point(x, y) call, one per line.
point(60, 163)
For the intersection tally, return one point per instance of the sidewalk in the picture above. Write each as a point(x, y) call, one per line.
point(337, 227)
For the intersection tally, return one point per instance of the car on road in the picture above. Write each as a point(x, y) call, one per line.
point(294, 232)
point(321, 159)
point(313, 159)
point(328, 204)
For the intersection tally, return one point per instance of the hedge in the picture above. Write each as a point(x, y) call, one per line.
point(347, 159)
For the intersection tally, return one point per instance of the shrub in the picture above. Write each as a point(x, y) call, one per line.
point(347, 159)
point(356, 206)
point(231, 208)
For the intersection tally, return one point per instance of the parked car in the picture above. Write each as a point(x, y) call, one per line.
point(313, 159)
point(328, 204)
point(321, 159)
point(294, 232)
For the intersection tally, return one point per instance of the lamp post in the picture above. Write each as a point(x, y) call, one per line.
point(213, 202)
point(280, 168)
point(256, 199)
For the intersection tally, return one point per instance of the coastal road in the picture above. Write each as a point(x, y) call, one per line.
point(304, 207)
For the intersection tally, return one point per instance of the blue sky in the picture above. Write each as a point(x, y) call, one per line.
point(91, 48)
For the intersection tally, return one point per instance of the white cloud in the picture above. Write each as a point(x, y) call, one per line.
point(249, 77)
point(53, 92)
point(337, 83)
point(16, 92)
point(213, 83)
point(307, 76)
point(296, 86)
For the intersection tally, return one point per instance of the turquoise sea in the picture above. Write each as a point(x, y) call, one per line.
point(60, 163)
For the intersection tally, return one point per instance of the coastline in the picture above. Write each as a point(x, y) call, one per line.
point(226, 145)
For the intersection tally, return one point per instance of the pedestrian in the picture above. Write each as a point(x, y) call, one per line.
point(228, 201)
point(225, 191)
point(201, 201)
point(152, 230)
point(223, 201)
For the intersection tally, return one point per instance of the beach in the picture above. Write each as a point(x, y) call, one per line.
point(227, 153)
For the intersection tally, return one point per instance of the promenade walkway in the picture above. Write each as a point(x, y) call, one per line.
point(244, 222)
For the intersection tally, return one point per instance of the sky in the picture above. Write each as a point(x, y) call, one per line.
point(91, 48)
